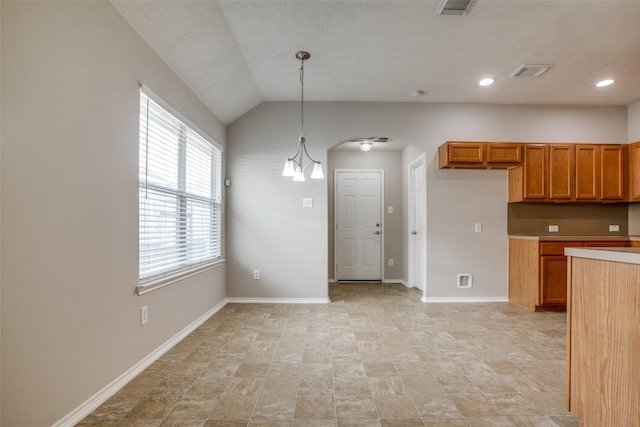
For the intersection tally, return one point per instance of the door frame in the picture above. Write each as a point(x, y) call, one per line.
point(335, 215)
point(411, 220)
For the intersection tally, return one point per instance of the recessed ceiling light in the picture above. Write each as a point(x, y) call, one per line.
point(604, 83)
point(486, 82)
point(365, 146)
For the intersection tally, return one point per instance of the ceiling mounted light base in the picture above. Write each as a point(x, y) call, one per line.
point(303, 55)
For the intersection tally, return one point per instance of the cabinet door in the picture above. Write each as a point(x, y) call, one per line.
point(466, 152)
point(634, 171)
point(587, 172)
point(535, 171)
point(561, 171)
point(612, 172)
point(553, 280)
point(504, 153)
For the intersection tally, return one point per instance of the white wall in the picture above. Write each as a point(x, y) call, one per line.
point(269, 229)
point(70, 101)
point(633, 112)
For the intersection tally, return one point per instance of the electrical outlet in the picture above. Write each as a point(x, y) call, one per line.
point(256, 274)
point(144, 315)
point(390, 262)
point(614, 228)
point(554, 229)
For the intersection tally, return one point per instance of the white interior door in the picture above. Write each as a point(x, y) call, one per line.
point(358, 220)
point(417, 225)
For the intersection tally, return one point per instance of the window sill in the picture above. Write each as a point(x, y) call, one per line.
point(147, 287)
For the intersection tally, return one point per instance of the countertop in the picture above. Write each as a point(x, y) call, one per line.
point(576, 238)
point(626, 255)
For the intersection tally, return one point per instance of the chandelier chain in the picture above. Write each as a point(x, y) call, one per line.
point(302, 98)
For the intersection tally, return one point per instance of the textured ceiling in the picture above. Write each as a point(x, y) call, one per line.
point(237, 54)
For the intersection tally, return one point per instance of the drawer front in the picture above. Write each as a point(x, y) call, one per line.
point(607, 244)
point(557, 248)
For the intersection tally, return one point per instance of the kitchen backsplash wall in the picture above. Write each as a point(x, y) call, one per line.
point(534, 219)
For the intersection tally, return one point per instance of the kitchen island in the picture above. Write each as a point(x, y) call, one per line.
point(603, 336)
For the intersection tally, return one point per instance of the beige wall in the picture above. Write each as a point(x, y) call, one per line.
point(391, 163)
point(70, 101)
point(634, 135)
point(292, 242)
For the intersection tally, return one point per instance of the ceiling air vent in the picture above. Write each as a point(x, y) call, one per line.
point(531, 70)
point(454, 7)
point(370, 139)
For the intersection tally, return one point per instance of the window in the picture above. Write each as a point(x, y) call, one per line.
point(180, 194)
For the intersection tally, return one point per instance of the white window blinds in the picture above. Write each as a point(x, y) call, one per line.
point(179, 194)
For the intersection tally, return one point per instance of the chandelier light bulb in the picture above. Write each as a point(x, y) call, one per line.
point(288, 168)
point(317, 171)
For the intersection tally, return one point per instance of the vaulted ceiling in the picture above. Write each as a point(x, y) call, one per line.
point(237, 54)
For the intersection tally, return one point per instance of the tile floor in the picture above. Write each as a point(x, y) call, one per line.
point(375, 356)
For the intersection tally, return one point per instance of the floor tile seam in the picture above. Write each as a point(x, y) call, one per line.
point(543, 410)
point(484, 394)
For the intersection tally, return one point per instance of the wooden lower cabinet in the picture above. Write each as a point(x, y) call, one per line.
point(538, 271)
point(553, 281)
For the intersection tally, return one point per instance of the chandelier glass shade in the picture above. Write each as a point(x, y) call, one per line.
point(295, 165)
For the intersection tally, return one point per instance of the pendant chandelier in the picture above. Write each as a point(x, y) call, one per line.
point(294, 166)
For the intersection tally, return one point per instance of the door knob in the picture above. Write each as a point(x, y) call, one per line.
point(377, 232)
point(377, 224)
point(414, 232)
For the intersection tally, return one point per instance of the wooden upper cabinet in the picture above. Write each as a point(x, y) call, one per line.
point(600, 172)
point(612, 172)
point(461, 154)
point(529, 181)
point(587, 172)
point(634, 171)
point(504, 153)
point(561, 171)
point(479, 155)
point(534, 171)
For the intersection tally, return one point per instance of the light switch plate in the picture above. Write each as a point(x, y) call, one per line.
point(478, 227)
point(307, 202)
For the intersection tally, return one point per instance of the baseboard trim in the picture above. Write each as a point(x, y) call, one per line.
point(464, 299)
point(278, 300)
point(112, 388)
point(402, 282)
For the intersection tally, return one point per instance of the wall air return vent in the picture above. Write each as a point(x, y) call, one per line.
point(454, 7)
point(531, 70)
